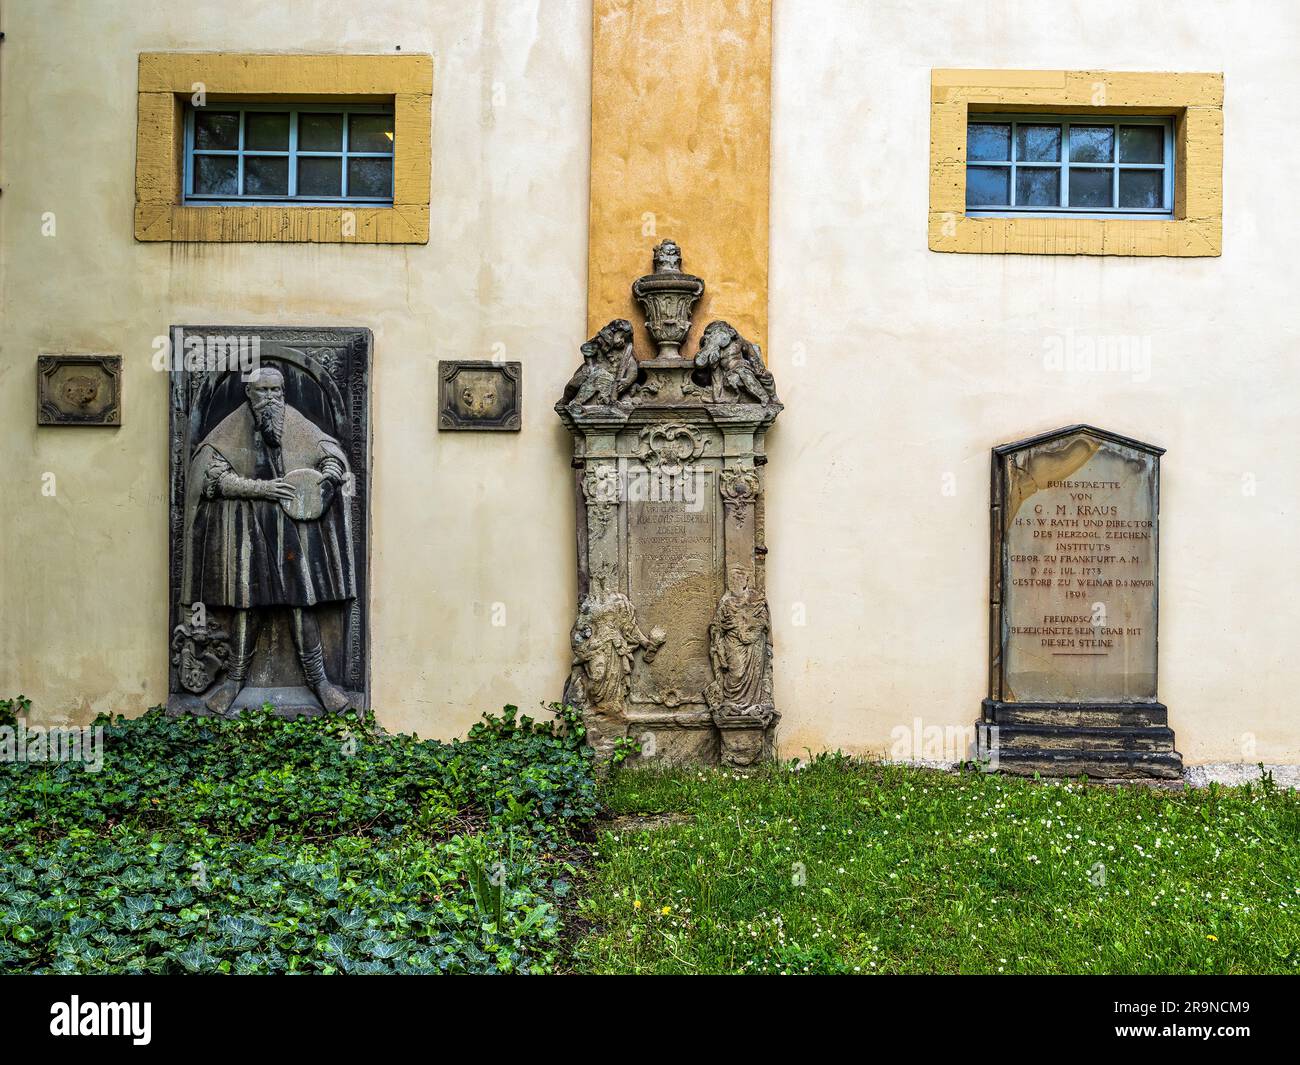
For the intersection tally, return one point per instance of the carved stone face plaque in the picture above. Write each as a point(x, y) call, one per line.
point(479, 395)
point(1074, 603)
point(269, 521)
point(79, 390)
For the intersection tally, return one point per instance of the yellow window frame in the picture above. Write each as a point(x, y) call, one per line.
point(1194, 100)
point(167, 80)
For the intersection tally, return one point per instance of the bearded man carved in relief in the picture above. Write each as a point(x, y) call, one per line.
point(266, 527)
point(605, 640)
point(740, 649)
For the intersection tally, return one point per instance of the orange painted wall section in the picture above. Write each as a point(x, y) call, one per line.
point(680, 133)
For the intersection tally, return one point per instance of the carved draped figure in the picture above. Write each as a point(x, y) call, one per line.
point(605, 640)
point(246, 553)
point(739, 649)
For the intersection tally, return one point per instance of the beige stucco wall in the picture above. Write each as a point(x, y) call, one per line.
point(462, 521)
point(899, 366)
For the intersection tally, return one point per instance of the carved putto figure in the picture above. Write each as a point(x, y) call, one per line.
point(740, 650)
point(605, 639)
point(265, 528)
point(735, 366)
point(608, 368)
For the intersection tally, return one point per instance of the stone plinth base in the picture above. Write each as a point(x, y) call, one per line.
point(1103, 740)
point(745, 738)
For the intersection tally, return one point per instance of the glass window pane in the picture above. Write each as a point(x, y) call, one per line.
point(216, 129)
point(320, 175)
point(370, 133)
point(988, 186)
point(266, 175)
point(1038, 144)
point(370, 177)
point(1141, 188)
point(320, 132)
point(268, 130)
point(1141, 144)
point(1092, 144)
point(1038, 186)
point(985, 140)
point(1090, 186)
point(216, 175)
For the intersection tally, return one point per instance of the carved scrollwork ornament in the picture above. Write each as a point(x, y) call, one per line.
point(669, 447)
point(739, 489)
point(600, 490)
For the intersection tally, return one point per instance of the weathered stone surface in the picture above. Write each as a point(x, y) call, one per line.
point(477, 394)
point(668, 457)
point(1073, 606)
point(79, 390)
point(269, 519)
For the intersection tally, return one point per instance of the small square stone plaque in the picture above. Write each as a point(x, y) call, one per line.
point(479, 395)
point(79, 390)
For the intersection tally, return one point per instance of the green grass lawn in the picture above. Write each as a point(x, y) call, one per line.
point(850, 867)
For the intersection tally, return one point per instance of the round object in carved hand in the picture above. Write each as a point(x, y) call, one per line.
point(312, 492)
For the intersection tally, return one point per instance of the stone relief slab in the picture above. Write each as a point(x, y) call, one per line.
point(480, 395)
point(269, 519)
point(675, 555)
point(1074, 603)
point(79, 390)
point(668, 454)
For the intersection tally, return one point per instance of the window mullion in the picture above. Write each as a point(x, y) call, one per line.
point(240, 168)
point(1114, 170)
point(293, 154)
point(1065, 164)
point(343, 159)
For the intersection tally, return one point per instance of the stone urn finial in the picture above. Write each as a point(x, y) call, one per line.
point(668, 296)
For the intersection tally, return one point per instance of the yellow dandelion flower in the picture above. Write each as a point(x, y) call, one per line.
point(1212, 939)
point(636, 905)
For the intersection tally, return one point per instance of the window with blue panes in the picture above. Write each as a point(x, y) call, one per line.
point(1069, 165)
point(286, 153)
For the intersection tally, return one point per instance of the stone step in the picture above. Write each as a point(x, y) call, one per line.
point(1099, 765)
point(1098, 715)
point(1085, 739)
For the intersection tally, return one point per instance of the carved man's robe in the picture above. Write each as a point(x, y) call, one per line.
point(248, 552)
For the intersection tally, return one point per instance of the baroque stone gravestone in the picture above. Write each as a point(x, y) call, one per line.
point(1073, 609)
point(672, 643)
point(269, 499)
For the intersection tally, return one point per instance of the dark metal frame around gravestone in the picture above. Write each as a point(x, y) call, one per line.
point(337, 360)
point(1102, 737)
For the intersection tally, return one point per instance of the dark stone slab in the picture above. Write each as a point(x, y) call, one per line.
point(269, 519)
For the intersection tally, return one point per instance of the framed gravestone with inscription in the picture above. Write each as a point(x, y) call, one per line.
point(1074, 578)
